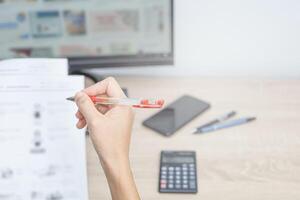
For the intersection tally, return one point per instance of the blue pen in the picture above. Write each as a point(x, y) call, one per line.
point(216, 121)
point(228, 124)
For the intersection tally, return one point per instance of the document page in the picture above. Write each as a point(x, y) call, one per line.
point(42, 153)
point(34, 66)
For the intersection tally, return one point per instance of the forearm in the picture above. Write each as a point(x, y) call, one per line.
point(110, 130)
point(120, 179)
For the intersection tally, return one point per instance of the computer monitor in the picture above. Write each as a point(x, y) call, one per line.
point(90, 33)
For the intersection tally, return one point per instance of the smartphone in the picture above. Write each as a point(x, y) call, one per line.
point(176, 115)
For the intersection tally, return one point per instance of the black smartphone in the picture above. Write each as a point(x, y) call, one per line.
point(176, 115)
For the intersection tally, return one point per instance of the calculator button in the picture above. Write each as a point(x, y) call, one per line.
point(185, 181)
point(184, 168)
point(163, 181)
point(184, 173)
point(164, 172)
point(192, 177)
point(163, 176)
point(177, 186)
point(163, 185)
point(178, 181)
point(171, 168)
point(192, 185)
point(192, 173)
point(171, 172)
point(184, 186)
point(171, 177)
point(184, 177)
point(184, 165)
point(191, 165)
point(178, 173)
point(163, 168)
point(177, 177)
point(177, 168)
point(170, 186)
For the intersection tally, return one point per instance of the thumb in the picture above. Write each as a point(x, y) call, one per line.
point(86, 106)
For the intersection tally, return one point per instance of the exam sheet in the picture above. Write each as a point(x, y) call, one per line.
point(42, 153)
point(34, 66)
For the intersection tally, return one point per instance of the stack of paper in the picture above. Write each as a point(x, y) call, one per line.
point(42, 153)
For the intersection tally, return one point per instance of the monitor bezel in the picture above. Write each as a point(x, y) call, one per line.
point(81, 63)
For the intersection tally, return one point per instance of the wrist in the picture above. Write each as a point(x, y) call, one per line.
point(115, 165)
point(120, 178)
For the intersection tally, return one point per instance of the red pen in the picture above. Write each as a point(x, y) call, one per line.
point(137, 103)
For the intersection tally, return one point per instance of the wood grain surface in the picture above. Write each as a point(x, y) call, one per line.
point(259, 160)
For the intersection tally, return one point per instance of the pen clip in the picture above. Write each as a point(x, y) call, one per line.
point(226, 117)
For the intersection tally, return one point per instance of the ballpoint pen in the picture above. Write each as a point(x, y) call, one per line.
point(134, 102)
point(228, 124)
point(215, 121)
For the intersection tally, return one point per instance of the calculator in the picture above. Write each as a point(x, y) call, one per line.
point(178, 172)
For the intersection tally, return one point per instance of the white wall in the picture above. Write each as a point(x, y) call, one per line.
point(248, 38)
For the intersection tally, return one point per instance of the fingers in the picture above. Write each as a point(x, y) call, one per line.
point(125, 111)
point(108, 86)
point(87, 110)
point(102, 108)
point(81, 124)
point(81, 121)
point(79, 115)
point(86, 107)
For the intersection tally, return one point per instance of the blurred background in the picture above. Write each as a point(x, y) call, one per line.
point(211, 37)
point(208, 60)
point(247, 38)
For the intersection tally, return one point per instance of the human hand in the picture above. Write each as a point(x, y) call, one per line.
point(109, 126)
point(110, 130)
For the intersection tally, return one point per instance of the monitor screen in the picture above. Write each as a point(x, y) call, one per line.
point(88, 32)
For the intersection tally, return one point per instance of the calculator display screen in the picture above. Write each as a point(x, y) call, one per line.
point(177, 159)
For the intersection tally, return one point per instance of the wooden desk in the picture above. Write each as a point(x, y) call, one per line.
point(260, 160)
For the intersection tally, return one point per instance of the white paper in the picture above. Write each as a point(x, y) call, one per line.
point(42, 153)
point(34, 66)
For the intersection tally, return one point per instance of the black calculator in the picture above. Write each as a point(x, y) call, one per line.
point(178, 172)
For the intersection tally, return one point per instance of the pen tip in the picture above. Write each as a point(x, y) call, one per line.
point(70, 99)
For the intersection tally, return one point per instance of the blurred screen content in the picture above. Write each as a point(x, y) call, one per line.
point(77, 28)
